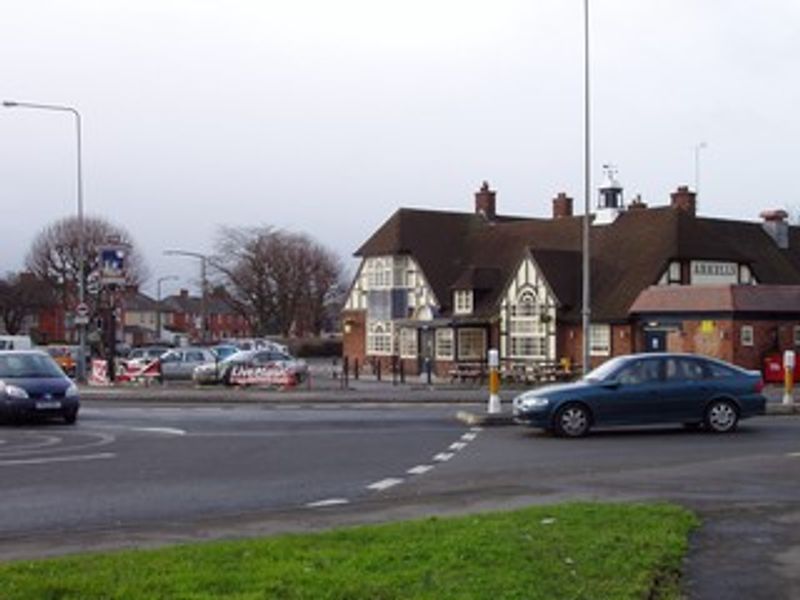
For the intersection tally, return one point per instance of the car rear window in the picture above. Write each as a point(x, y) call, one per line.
point(717, 370)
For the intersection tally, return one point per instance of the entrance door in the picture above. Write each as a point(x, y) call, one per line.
point(655, 341)
point(426, 348)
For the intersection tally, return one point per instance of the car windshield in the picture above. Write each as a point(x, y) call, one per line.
point(28, 366)
point(241, 356)
point(606, 370)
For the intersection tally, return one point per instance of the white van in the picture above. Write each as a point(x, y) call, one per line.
point(15, 342)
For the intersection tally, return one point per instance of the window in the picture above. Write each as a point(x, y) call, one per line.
point(379, 272)
point(408, 343)
point(528, 333)
point(642, 371)
point(444, 344)
point(681, 369)
point(379, 338)
point(746, 335)
point(600, 340)
point(471, 344)
point(463, 302)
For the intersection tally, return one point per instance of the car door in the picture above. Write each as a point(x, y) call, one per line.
point(685, 389)
point(171, 364)
point(631, 396)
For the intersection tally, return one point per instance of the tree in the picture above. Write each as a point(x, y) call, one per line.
point(55, 256)
point(281, 281)
point(22, 295)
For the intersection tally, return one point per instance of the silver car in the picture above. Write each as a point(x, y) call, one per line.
point(180, 363)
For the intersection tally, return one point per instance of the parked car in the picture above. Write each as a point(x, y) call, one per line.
point(259, 361)
point(646, 389)
point(33, 385)
point(139, 357)
point(223, 351)
point(180, 363)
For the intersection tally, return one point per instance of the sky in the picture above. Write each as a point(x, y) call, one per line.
point(326, 117)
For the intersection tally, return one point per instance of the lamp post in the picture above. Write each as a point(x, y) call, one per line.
point(81, 367)
point(586, 311)
point(697, 148)
point(203, 300)
point(158, 301)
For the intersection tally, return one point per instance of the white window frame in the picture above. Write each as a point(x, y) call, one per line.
point(600, 339)
point(408, 342)
point(465, 343)
point(445, 344)
point(527, 332)
point(463, 302)
point(379, 272)
point(379, 338)
point(747, 335)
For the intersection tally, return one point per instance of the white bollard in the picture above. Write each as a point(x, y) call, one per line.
point(788, 376)
point(494, 407)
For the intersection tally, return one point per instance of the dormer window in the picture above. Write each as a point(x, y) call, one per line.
point(462, 302)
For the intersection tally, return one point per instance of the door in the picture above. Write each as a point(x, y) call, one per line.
point(655, 341)
point(634, 396)
point(685, 389)
point(426, 348)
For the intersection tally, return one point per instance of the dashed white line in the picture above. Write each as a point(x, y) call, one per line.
point(468, 437)
point(419, 469)
point(328, 502)
point(443, 456)
point(457, 446)
point(793, 455)
point(476, 429)
point(384, 484)
point(167, 430)
point(56, 459)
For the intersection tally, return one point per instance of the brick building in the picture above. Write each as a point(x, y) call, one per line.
point(445, 287)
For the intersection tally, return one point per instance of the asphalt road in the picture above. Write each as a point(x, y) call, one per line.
point(141, 474)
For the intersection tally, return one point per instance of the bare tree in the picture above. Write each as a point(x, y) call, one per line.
point(280, 280)
point(55, 255)
point(22, 295)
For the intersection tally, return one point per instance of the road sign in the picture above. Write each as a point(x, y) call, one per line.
point(82, 310)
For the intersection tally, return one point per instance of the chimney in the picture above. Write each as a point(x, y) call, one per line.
point(776, 226)
point(684, 199)
point(184, 293)
point(562, 206)
point(637, 203)
point(486, 202)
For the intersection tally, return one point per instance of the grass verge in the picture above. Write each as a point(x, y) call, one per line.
point(549, 552)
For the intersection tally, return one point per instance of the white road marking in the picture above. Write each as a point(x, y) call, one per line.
point(793, 455)
point(457, 446)
point(443, 456)
point(328, 502)
point(476, 429)
point(468, 437)
point(56, 459)
point(167, 430)
point(419, 469)
point(384, 484)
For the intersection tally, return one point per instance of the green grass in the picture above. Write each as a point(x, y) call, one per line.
point(592, 551)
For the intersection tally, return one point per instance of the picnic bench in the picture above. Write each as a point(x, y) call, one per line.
point(468, 371)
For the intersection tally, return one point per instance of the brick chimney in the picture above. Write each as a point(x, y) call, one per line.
point(486, 202)
point(776, 226)
point(562, 206)
point(184, 294)
point(637, 203)
point(684, 199)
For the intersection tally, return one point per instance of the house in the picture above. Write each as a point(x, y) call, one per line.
point(441, 288)
point(183, 314)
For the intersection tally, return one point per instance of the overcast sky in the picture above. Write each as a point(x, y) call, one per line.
point(325, 117)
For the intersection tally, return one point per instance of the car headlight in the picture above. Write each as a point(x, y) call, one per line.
point(535, 402)
point(12, 391)
point(72, 391)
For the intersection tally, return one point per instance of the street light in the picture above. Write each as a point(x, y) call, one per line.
point(586, 310)
point(81, 367)
point(158, 301)
point(203, 302)
point(697, 148)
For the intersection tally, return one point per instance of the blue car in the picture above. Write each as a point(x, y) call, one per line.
point(644, 389)
point(33, 385)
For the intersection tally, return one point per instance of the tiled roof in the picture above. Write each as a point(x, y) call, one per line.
point(627, 256)
point(718, 299)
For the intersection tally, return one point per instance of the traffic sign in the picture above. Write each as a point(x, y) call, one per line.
point(82, 310)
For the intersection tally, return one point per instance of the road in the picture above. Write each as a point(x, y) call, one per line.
point(132, 474)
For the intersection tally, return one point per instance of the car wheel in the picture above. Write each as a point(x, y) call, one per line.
point(572, 420)
point(70, 417)
point(721, 416)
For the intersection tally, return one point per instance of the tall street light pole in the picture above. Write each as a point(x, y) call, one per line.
point(81, 367)
point(586, 311)
point(158, 301)
point(203, 299)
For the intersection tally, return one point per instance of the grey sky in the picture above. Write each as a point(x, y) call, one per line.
point(325, 117)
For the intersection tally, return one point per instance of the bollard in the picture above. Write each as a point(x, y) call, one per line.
point(377, 367)
point(402, 372)
point(355, 369)
point(394, 369)
point(494, 383)
point(788, 376)
point(345, 372)
point(428, 369)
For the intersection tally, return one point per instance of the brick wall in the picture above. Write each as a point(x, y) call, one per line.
point(354, 336)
